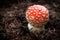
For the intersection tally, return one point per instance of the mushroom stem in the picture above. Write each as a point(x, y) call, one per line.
point(35, 29)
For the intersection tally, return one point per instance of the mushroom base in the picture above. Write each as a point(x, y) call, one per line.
point(35, 29)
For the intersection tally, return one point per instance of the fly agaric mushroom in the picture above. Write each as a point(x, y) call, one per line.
point(37, 16)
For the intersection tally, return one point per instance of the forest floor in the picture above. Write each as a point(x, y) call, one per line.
point(14, 23)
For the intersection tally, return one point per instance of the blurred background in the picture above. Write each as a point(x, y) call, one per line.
point(13, 24)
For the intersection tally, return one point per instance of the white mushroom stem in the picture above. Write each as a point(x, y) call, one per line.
point(35, 29)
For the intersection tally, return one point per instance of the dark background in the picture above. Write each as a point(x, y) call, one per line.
point(15, 27)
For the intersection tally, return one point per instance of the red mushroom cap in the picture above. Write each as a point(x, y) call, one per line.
point(37, 15)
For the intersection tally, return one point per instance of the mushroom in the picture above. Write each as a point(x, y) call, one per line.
point(37, 16)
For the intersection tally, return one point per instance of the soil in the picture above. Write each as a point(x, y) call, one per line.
point(13, 24)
